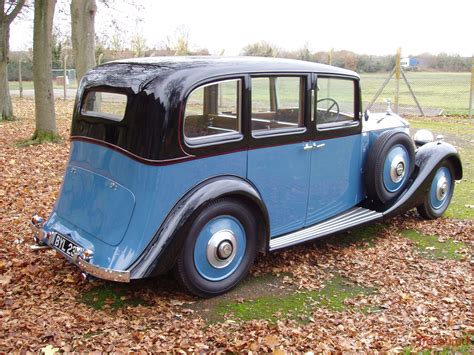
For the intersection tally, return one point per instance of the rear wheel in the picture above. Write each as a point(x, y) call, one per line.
point(219, 249)
point(440, 193)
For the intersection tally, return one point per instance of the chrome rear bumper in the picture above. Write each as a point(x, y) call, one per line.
point(42, 240)
point(103, 273)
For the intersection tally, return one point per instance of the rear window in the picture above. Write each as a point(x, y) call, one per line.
point(106, 105)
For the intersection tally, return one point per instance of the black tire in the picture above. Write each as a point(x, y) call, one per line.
point(427, 210)
point(375, 183)
point(186, 269)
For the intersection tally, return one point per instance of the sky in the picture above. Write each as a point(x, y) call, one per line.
point(366, 26)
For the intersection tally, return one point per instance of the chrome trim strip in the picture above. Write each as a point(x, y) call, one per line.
point(103, 273)
point(351, 218)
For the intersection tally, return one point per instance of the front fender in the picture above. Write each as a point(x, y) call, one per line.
point(161, 253)
point(428, 159)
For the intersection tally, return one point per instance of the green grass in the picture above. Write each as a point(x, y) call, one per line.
point(28, 85)
point(297, 306)
point(39, 137)
point(445, 91)
point(112, 297)
point(431, 248)
point(460, 133)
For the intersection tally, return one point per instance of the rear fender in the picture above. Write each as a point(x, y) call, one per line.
point(428, 158)
point(161, 253)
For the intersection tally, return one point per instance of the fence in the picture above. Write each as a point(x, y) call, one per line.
point(418, 91)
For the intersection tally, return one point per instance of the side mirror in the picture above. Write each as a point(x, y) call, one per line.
point(366, 115)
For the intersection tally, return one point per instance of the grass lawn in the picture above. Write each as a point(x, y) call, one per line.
point(444, 91)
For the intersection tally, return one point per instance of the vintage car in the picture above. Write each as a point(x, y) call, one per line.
point(197, 164)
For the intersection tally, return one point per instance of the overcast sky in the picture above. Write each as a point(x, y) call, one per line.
point(363, 26)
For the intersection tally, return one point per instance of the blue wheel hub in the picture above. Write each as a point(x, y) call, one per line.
point(440, 188)
point(395, 169)
point(219, 248)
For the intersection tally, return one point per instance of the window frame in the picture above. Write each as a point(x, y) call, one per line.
point(355, 123)
point(103, 115)
point(303, 91)
point(228, 137)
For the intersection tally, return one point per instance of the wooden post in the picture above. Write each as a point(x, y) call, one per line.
point(377, 94)
point(65, 77)
point(20, 80)
point(471, 96)
point(412, 93)
point(330, 63)
point(397, 80)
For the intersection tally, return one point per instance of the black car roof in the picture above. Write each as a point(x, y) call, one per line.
point(237, 64)
point(136, 73)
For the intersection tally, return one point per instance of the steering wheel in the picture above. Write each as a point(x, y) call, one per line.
point(328, 111)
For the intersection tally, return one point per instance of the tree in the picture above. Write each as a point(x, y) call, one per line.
point(83, 34)
point(10, 10)
point(138, 45)
point(42, 75)
point(304, 53)
point(178, 42)
point(261, 49)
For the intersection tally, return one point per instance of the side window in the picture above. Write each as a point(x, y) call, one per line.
point(334, 101)
point(213, 112)
point(108, 105)
point(277, 104)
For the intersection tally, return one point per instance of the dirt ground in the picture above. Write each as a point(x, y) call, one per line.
point(403, 286)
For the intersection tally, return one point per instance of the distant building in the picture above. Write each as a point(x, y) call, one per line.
point(408, 62)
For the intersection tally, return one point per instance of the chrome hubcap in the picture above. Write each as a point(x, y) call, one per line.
point(224, 250)
point(441, 188)
point(397, 169)
point(221, 248)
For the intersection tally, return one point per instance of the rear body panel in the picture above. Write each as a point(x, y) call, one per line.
point(155, 189)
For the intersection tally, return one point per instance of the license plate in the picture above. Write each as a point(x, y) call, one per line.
point(65, 246)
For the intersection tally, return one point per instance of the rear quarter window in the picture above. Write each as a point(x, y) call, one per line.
point(106, 105)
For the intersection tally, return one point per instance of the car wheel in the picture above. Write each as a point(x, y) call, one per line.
point(219, 248)
point(389, 166)
point(440, 193)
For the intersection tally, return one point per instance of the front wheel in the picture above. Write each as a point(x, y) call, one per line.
point(219, 249)
point(389, 166)
point(440, 193)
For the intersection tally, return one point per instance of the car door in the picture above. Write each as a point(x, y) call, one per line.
point(278, 164)
point(336, 159)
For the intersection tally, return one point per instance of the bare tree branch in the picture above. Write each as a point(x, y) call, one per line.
point(16, 10)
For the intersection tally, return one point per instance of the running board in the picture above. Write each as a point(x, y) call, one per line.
point(344, 221)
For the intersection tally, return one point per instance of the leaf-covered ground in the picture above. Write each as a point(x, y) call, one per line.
point(402, 286)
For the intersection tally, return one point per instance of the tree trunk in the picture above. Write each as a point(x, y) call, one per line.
point(8, 12)
point(42, 70)
point(6, 110)
point(83, 34)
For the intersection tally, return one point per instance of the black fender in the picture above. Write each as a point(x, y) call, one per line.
point(428, 158)
point(160, 254)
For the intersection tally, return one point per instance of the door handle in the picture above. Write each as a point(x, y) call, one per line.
point(322, 145)
point(309, 146)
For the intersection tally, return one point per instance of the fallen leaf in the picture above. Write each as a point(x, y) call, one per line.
point(49, 350)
